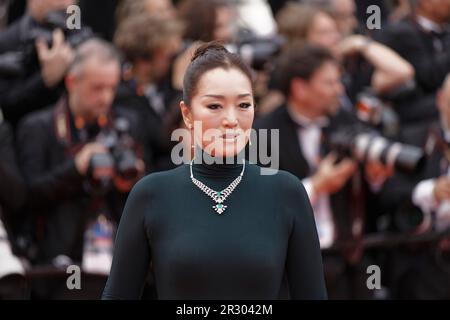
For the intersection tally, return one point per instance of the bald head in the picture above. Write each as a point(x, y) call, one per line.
point(92, 78)
point(93, 51)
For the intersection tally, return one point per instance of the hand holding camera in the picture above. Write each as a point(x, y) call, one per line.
point(54, 60)
point(441, 190)
point(110, 161)
point(377, 173)
point(83, 157)
point(331, 176)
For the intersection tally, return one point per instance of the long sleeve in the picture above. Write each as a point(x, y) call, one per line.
point(132, 251)
point(196, 253)
point(46, 187)
point(430, 68)
point(304, 262)
point(24, 96)
point(21, 94)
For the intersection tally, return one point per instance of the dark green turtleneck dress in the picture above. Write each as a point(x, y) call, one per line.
point(264, 239)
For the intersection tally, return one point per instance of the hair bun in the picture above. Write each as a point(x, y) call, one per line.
point(208, 46)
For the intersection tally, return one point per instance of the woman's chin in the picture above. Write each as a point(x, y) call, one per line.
point(228, 150)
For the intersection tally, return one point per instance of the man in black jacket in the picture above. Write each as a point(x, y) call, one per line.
point(423, 39)
point(12, 186)
point(12, 197)
point(146, 88)
point(306, 124)
point(35, 52)
point(419, 204)
point(57, 147)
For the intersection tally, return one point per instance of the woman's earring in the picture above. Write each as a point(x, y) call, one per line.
point(192, 145)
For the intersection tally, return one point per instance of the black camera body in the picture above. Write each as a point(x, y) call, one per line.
point(254, 50)
point(17, 62)
point(120, 161)
point(365, 145)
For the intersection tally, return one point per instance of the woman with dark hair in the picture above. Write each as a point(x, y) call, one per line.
point(218, 228)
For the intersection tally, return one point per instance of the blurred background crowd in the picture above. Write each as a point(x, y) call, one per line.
point(363, 114)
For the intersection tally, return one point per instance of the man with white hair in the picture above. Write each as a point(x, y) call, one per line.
point(56, 147)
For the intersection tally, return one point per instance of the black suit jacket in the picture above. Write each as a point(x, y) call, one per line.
point(416, 45)
point(12, 186)
point(57, 196)
point(396, 196)
point(153, 135)
point(292, 160)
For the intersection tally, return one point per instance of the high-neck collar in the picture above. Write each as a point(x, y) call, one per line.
point(217, 167)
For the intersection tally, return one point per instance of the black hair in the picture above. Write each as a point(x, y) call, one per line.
point(300, 61)
point(208, 56)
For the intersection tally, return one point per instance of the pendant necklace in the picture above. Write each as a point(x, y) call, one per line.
point(218, 196)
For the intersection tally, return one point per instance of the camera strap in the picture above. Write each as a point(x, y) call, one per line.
point(72, 131)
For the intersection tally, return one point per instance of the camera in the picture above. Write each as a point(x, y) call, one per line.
point(254, 50)
point(411, 219)
point(374, 111)
point(16, 63)
point(57, 20)
point(365, 145)
point(119, 162)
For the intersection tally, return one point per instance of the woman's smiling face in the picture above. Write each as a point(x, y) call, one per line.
point(221, 111)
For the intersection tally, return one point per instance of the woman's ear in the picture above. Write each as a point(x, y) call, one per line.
point(187, 115)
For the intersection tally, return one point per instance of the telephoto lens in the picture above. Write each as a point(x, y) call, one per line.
point(368, 146)
point(372, 147)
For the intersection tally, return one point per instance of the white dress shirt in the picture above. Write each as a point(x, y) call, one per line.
point(423, 197)
point(309, 137)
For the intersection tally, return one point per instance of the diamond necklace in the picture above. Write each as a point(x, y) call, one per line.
point(218, 196)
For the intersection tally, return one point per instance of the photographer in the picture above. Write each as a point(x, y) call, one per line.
point(65, 153)
point(148, 44)
point(421, 38)
point(35, 53)
point(365, 62)
point(312, 86)
point(417, 206)
point(432, 193)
